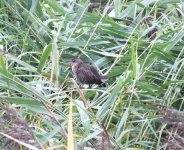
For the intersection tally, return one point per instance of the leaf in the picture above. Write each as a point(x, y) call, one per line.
point(70, 141)
point(134, 60)
point(111, 99)
point(81, 43)
point(122, 122)
point(49, 135)
point(3, 67)
point(55, 6)
point(130, 10)
point(22, 63)
point(44, 58)
point(175, 40)
point(34, 5)
point(83, 114)
point(24, 101)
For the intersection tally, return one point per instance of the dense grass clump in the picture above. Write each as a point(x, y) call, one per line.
point(137, 44)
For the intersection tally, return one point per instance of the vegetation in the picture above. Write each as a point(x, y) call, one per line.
point(137, 44)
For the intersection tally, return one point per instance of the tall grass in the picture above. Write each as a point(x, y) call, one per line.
point(137, 44)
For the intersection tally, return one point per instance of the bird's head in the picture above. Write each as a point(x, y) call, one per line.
point(75, 61)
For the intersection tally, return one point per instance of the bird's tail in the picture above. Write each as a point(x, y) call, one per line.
point(103, 78)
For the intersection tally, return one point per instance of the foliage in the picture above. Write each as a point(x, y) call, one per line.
point(137, 44)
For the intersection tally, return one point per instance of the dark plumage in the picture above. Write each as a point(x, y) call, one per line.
point(85, 73)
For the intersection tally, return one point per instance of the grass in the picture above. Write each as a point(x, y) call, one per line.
point(137, 44)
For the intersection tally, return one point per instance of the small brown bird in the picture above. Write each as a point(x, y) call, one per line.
point(85, 73)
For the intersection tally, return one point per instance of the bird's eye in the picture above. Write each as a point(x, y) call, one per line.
point(73, 60)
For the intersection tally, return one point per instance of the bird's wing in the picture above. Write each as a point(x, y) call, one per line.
point(95, 71)
point(98, 76)
point(87, 75)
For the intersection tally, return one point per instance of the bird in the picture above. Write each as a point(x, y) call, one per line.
point(86, 73)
